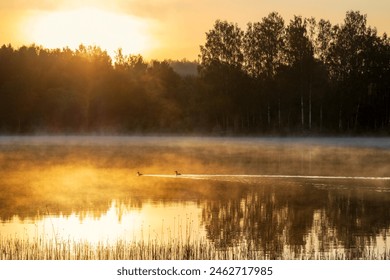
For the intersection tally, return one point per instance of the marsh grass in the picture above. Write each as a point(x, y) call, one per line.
point(13, 248)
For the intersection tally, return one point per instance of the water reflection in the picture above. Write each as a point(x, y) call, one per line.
point(152, 222)
point(309, 221)
point(91, 192)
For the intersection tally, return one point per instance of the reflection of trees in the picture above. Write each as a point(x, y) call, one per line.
point(273, 216)
point(358, 217)
point(223, 222)
point(266, 217)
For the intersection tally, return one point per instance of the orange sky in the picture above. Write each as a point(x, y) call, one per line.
point(157, 28)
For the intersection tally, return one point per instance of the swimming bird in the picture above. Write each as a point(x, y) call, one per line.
point(139, 174)
point(177, 173)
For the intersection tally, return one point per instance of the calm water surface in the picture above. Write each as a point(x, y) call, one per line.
point(286, 197)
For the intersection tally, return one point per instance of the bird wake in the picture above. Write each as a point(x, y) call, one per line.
point(248, 176)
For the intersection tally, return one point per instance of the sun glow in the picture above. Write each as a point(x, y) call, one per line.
point(90, 26)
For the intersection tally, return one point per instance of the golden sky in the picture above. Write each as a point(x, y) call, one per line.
point(161, 29)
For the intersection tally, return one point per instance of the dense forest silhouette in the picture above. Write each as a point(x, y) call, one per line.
point(306, 76)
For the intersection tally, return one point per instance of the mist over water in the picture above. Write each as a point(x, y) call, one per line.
point(238, 177)
point(287, 197)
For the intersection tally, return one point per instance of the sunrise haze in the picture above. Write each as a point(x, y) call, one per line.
point(171, 29)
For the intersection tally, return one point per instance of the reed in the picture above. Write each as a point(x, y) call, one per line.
point(13, 248)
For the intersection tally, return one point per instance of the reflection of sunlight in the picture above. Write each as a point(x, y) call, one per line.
point(152, 222)
point(383, 242)
point(106, 228)
point(76, 177)
point(322, 237)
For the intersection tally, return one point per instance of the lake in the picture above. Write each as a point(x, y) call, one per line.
point(79, 197)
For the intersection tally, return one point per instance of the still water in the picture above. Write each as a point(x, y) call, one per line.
point(289, 198)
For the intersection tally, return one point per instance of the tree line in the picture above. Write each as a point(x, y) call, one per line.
point(306, 76)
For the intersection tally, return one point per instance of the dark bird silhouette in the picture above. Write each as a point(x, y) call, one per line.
point(139, 174)
point(177, 173)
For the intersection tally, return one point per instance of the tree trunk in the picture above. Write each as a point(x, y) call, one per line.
point(269, 114)
point(310, 107)
point(340, 120)
point(302, 113)
point(321, 117)
point(279, 114)
point(357, 115)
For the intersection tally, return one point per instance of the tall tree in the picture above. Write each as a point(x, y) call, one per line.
point(263, 48)
point(300, 57)
point(352, 58)
point(223, 45)
point(221, 68)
